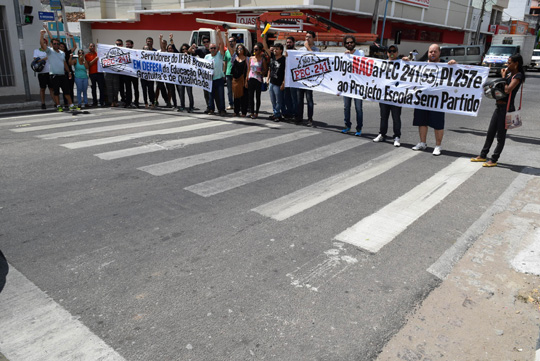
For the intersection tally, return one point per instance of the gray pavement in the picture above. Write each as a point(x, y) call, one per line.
point(159, 272)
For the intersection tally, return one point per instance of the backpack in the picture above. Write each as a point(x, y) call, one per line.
point(37, 65)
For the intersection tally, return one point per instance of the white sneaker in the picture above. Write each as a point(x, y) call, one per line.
point(379, 138)
point(420, 146)
point(437, 150)
point(396, 142)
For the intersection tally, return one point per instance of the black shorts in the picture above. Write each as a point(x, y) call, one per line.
point(429, 118)
point(44, 81)
point(60, 82)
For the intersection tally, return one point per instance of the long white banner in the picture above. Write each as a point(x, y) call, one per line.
point(431, 86)
point(175, 68)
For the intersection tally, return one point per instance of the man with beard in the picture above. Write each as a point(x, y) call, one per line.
point(289, 94)
point(349, 42)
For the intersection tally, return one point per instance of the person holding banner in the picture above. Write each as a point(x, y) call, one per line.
point(349, 42)
point(217, 54)
point(148, 87)
point(430, 118)
point(309, 45)
point(290, 96)
point(514, 75)
point(132, 85)
point(97, 78)
point(182, 89)
point(386, 109)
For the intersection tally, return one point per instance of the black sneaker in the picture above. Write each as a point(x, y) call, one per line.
point(43, 106)
point(309, 123)
point(222, 113)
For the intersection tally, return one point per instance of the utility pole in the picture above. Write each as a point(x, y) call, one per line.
point(375, 19)
point(477, 40)
point(24, 65)
point(331, 8)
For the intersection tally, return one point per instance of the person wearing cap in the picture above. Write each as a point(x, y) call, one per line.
point(349, 42)
point(386, 109)
point(430, 118)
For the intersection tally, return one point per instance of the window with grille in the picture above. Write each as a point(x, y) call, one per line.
point(7, 78)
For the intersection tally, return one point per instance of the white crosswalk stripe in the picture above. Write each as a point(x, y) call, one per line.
point(305, 198)
point(234, 180)
point(178, 143)
point(76, 123)
point(380, 228)
point(122, 138)
point(46, 117)
point(67, 134)
point(176, 165)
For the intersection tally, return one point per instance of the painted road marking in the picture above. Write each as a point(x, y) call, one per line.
point(49, 117)
point(76, 124)
point(175, 144)
point(240, 178)
point(380, 228)
point(108, 128)
point(446, 262)
point(176, 165)
point(122, 138)
point(305, 198)
point(34, 327)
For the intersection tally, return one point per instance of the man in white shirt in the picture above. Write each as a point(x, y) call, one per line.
point(349, 42)
point(43, 76)
point(309, 45)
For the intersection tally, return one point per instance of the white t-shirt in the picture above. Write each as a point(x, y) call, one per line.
point(38, 53)
point(358, 52)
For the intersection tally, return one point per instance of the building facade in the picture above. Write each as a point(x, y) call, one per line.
point(416, 23)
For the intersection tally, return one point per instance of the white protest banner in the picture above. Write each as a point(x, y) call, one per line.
point(431, 86)
point(175, 68)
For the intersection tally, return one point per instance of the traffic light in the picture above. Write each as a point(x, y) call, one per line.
point(28, 18)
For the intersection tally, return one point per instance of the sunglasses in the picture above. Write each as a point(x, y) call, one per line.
point(392, 50)
point(212, 48)
point(349, 42)
point(118, 44)
point(55, 43)
point(256, 49)
point(184, 49)
point(205, 42)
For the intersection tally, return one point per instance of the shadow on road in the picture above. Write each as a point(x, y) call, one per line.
point(4, 269)
point(515, 138)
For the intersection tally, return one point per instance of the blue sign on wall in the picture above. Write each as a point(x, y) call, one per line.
point(45, 15)
point(55, 5)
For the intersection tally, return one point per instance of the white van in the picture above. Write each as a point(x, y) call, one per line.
point(535, 60)
point(463, 54)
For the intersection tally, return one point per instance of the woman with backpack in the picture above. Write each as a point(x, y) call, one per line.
point(514, 76)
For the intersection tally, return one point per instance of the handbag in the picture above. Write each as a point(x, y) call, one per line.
point(264, 86)
point(513, 119)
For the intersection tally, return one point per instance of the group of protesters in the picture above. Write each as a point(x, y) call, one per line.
point(239, 77)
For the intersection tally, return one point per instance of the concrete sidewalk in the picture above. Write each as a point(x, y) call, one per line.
point(19, 102)
point(487, 307)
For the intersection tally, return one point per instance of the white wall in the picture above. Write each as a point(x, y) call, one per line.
point(516, 10)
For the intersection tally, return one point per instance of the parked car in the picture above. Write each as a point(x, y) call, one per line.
point(463, 54)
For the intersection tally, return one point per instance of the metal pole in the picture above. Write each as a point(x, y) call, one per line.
point(331, 7)
point(477, 40)
point(384, 22)
point(17, 8)
point(375, 19)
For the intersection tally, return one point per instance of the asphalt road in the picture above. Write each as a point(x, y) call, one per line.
point(185, 263)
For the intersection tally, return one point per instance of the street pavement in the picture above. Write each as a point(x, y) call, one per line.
point(158, 235)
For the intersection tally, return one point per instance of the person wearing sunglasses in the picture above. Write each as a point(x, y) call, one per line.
point(386, 109)
point(349, 42)
point(256, 72)
point(217, 53)
point(57, 69)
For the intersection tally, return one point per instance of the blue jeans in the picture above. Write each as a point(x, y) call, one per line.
point(359, 114)
point(229, 90)
point(289, 102)
point(82, 90)
point(300, 106)
point(276, 97)
point(217, 93)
